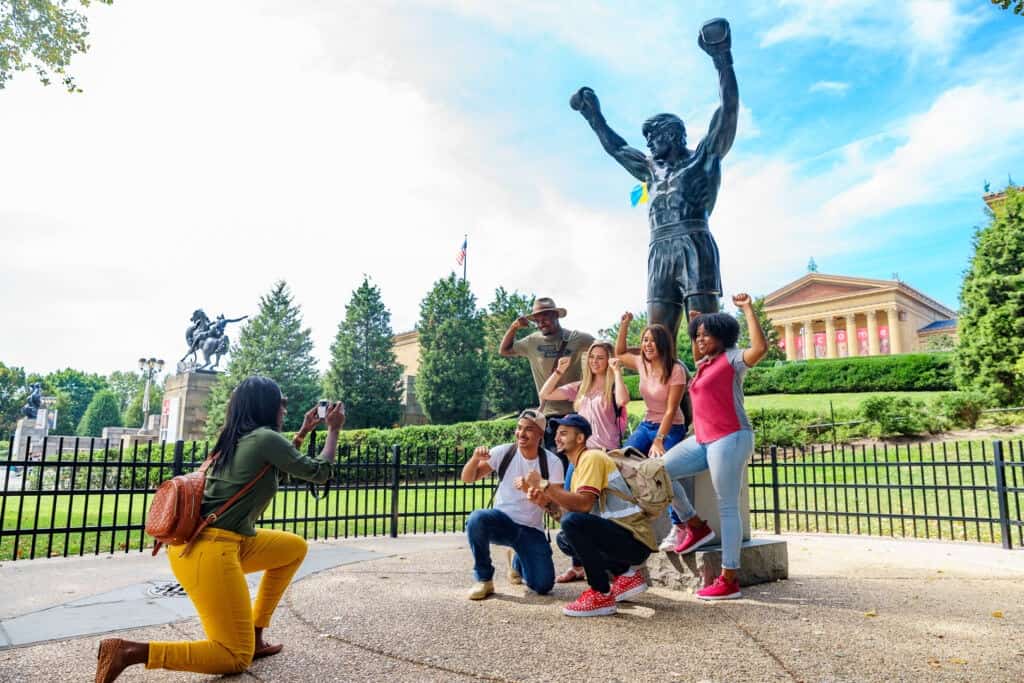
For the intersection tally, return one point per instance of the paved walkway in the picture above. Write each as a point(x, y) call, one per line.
point(854, 609)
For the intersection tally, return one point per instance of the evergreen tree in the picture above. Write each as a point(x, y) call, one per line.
point(103, 411)
point(989, 352)
point(509, 380)
point(770, 334)
point(273, 344)
point(133, 413)
point(364, 372)
point(79, 388)
point(453, 371)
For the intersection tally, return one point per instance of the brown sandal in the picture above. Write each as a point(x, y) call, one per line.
point(105, 658)
point(571, 574)
point(268, 651)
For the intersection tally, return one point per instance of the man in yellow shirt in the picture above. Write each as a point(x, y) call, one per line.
point(612, 536)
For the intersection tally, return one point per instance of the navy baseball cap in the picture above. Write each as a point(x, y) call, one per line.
point(577, 421)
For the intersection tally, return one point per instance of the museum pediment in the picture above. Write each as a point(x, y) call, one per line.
point(816, 288)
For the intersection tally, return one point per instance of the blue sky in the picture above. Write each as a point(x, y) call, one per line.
point(218, 147)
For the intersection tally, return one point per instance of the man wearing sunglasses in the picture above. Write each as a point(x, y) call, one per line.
point(514, 521)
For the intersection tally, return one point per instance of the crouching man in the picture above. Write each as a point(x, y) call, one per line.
point(608, 532)
point(514, 521)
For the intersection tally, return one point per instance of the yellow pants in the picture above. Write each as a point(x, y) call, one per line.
point(213, 574)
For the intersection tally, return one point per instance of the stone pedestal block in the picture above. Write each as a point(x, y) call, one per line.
point(761, 560)
point(184, 411)
point(28, 437)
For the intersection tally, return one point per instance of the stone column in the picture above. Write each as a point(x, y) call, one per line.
point(830, 338)
point(852, 343)
point(872, 333)
point(895, 340)
point(808, 339)
point(790, 341)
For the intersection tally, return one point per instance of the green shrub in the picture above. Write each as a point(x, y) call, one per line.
point(104, 411)
point(960, 408)
point(904, 372)
point(894, 415)
point(632, 383)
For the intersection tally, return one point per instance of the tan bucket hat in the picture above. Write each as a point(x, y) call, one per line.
point(543, 305)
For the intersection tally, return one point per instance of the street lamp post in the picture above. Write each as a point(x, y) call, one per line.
point(149, 367)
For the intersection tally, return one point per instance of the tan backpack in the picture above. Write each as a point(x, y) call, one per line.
point(647, 480)
point(174, 515)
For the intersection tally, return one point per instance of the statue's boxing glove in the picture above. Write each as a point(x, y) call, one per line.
point(715, 38)
point(585, 102)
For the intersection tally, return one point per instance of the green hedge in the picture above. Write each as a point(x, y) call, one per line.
point(904, 372)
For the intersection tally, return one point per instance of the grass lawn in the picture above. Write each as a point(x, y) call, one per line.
point(817, 403)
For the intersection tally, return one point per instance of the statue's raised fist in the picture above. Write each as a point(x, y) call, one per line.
point(585, 102)
point(715, 38)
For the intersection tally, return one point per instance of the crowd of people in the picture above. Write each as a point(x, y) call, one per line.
point(558, 464)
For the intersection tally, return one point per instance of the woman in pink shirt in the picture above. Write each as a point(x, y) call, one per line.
point(600, 396)
point(723, 438)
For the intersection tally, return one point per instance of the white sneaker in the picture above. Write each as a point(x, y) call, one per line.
point(673, 538)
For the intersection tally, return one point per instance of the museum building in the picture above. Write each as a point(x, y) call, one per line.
point(835, 316)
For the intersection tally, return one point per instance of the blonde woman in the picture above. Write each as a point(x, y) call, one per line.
point(600, 396)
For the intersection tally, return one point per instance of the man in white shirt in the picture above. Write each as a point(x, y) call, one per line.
point(513, 521)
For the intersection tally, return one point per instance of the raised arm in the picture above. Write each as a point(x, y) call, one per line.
point(621, 392)
point(621, 352)
point(478, 466)
point(633, 160)
point(550, 391)
point(510, 337)
point(758, 345)
point(715, 38)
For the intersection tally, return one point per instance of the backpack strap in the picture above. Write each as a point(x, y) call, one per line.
point(213, 516)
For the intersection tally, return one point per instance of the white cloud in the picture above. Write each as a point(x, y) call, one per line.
point(830, 87)
point(933, 28)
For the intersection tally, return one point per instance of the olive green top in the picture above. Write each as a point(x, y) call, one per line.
point(254, 450)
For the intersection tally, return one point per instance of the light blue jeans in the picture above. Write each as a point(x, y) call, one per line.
point(726, 458)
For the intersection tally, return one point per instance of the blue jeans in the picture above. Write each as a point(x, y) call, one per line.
point(726, 459)
point(532, 551)
point(643, 437)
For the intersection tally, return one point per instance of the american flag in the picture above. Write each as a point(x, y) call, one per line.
point(461, 256)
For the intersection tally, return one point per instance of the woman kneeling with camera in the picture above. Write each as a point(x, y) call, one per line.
point(212, 569)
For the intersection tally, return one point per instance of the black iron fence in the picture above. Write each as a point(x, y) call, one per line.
point(90, 496)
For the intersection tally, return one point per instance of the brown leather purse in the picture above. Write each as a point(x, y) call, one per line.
point(174, 515)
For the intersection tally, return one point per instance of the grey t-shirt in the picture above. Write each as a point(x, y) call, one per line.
point(542, 353)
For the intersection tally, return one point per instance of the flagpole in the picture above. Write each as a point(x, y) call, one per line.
point(465, 256)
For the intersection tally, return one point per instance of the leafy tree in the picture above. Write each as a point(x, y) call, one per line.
point(770, 334)
point(937, 343)
point(636, 330)
point(125, 386)
point(1018, 5)
point(364, 372)
point(103, 411)
point(133, 413)
point(13, 392)
point(273, 344)
point(509, 380)
point(79, 387)
point(992, 306)
point(453, 370)
point(42, 36)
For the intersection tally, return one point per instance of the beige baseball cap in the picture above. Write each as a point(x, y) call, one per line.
point(536, 417)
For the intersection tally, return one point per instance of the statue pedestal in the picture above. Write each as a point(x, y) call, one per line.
point(34, 428)
point(761, 560)
point(184, 410)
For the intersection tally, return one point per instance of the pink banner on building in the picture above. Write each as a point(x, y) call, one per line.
point(883, 339)
point(820, 345)
point(841, 346)
point(800, 347)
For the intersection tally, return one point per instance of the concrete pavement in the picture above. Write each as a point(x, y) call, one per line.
point(854, 609)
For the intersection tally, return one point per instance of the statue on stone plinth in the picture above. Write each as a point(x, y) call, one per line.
point(683, 272)
point(34, 402)
point(206, 336)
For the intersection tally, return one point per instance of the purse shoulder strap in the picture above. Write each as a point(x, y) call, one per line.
point(213, 516)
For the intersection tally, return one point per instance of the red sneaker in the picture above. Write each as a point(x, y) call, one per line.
point(624, 587)
point(695, 538)
point(721, 590)
point(591, 604)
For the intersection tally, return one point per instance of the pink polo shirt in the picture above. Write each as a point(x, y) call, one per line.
point(716, 393)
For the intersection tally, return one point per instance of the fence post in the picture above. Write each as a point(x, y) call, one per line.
point(396, 463)
point(178, 464)
point(775, 489)
point(1004, 509)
